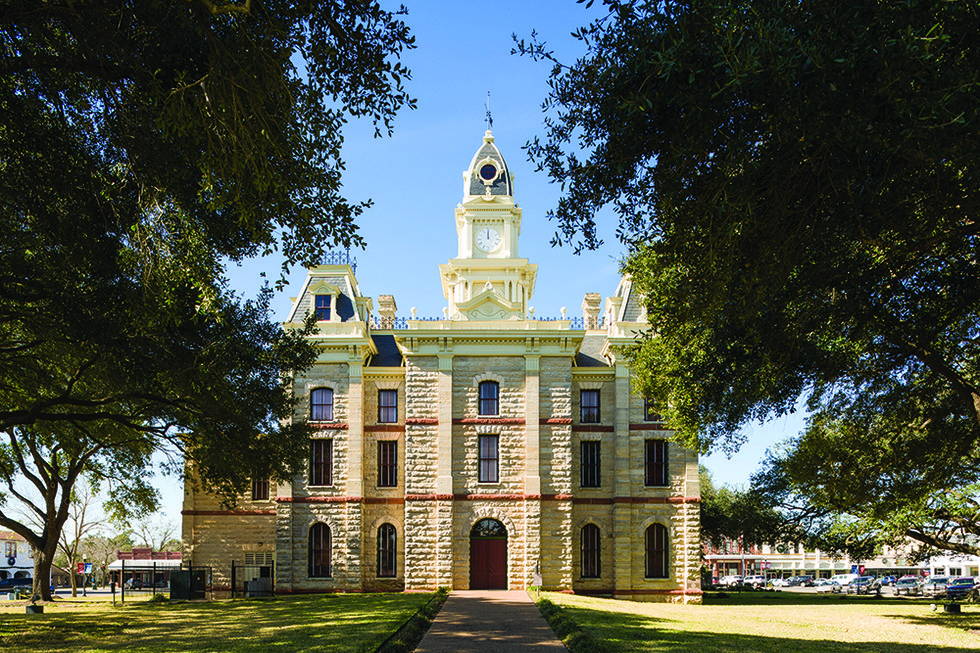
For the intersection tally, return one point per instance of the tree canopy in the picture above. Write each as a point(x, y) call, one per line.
point(143, 146)
point(797, 186)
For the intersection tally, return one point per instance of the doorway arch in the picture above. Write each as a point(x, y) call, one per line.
point(488, 555)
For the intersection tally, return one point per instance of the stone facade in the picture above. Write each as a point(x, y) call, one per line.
point(483, 415)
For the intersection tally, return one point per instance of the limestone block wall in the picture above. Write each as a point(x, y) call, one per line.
point(344, 520)
point(215, 532)
point(323, 375)
point(602, 516)
point(375, 515)
point(421, 536)
point(556, 544)
point(421, 428)
point(218, 539)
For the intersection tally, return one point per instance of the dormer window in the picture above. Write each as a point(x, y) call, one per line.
point(323, 308)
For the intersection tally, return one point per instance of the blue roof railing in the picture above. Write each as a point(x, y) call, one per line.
point(334, 257)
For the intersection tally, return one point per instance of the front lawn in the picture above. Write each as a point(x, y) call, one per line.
point(771, 622)
point(335, 622)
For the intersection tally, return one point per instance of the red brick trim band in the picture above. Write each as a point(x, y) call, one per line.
point(598, 501)
point(657, 499)
point(421, 421)
point(687, 592)
point(329, 426)
point(592, 428)
point(384, 428)
point(649, 426)
point(555, 420)
point(227, 513)
point(428, 497)
point(489, 420)
point(319, 499)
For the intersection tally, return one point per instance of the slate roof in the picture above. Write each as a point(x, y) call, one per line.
point(388, 354)
point(502, 185)
point(590, 353)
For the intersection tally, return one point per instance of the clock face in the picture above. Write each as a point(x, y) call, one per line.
point(487, 239)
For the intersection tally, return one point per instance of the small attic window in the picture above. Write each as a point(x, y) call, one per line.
point(323, 308)
point(488, 172)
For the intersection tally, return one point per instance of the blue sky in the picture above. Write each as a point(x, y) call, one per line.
point(415, 178)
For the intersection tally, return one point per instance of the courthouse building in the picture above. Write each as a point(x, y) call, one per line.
point(488, 449)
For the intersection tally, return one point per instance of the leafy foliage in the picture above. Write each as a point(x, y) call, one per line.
point(143, 145)
point(797, 184)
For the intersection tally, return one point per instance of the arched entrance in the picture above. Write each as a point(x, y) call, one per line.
point(488, 555)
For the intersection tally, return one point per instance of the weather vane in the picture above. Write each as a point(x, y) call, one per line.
point(489, 118)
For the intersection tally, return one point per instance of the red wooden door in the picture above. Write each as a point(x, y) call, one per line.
point(498, 564)
point(488, 564)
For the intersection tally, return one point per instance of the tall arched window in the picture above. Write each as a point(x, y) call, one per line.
point(321, 405)
point(320, 546)
point(387, 551)
point(590, 551)
point(657, 549)
point(489, 398)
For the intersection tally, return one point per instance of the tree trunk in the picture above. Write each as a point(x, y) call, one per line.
point(42, 575)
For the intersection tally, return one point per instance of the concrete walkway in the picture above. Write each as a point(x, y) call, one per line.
point(494, 621)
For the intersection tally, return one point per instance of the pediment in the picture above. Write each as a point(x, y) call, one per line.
point(489, 305)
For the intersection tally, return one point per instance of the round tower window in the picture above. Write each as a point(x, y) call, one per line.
point(488, 172)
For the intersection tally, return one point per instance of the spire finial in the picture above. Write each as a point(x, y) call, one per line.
point(489, 118)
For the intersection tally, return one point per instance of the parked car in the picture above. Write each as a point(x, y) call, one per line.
point(829, 586)
point(935, 587)
point(777, 582)
point(799, 581)
point(958, 587)
point(888, 580)
point(134, 584)
point(7, 583)
point(730, 581)
point(841, 581)
point(908, 585)
point(864, 585)
point(755, 581)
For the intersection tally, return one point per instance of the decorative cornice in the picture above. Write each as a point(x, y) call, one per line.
point(555, 420)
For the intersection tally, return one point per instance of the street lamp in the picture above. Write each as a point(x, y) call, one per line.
point(84, 567)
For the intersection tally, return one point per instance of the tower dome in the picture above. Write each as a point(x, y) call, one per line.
point(488, 173)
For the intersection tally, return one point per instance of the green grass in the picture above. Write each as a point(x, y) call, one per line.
point(335, 622)
point(762, 622)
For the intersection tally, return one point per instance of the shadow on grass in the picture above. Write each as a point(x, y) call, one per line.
point(595, 630)
point(340, 622)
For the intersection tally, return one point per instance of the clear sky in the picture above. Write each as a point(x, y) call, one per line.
point(415, 177)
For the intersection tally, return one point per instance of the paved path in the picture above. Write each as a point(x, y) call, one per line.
point(494, 621)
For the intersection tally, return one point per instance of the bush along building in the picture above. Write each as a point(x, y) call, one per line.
point(484, 450)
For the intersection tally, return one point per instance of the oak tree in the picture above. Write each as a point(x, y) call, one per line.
point(797, 186)
point(144, 146)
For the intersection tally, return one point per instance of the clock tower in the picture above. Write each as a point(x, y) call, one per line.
point(487, 280)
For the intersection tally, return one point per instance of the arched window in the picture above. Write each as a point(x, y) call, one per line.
point(656, 546)
point(590, 551)
point(321, 405)
point(320, 551)
point(387, 551)
point(489, 398)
